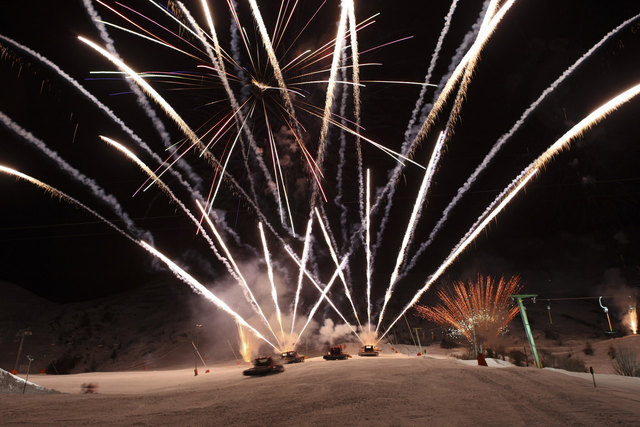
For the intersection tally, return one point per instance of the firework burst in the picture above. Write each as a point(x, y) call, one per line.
point(479, 311)
point(254, 118)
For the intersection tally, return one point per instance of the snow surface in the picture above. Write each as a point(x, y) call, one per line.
point(10, 383)
point(392, 389)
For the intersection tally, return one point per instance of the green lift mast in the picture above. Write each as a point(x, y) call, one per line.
point(525, 321)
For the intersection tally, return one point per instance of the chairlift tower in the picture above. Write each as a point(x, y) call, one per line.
point(23, 333)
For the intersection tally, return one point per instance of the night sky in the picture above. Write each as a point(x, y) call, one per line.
point(573, 232)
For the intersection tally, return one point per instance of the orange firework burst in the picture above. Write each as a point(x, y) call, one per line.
point(480, 309)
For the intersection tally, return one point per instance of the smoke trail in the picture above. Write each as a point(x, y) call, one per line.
point(468, 39)
point(521, 180)
point(356, 101)
point(413, 220)
point(96, 190)
point(224, 169)
point(93, 99)
point(410, 132)
point(470, 68)
point(465, 64)
point(341, 160)
point(505, 137)
point(200, 289)
point(140, 97)
point(236, 54)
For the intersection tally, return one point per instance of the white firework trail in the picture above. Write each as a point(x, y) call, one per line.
point(520, 182)
point(488, 16)
point(176, 118)
point(124, 127)
point(94, 100)
point(218, 65)
point(202, 290)
point(214, 35)
point(306, 249)
point(275, 65)
point(335, 63)
point(323, 212)
point(413, 220)
point(129, 154)
point(337, 263)
point(273, 60)
point(96, 190)
point(588, 122)
point(278, 171)
point(74, 201)
point(184, 127)
point(473, 52)
point(54, 191)
point(505, 137)
point(354, 59)
point(467, 41)
point(471, 67)
point(140, 96)
point(368, 248)
point(224, 168)
point(243, 283)
point(315, 283)
point(473, 233)
point(274, 291)
point(324, 296)
point(356, 99)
